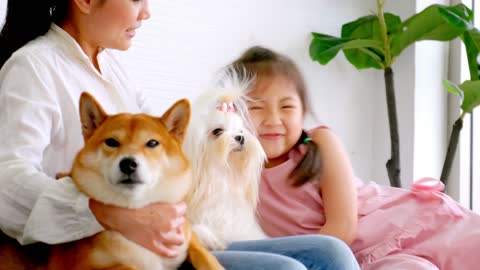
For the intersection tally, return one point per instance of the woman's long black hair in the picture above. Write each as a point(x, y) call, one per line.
point(26, 20)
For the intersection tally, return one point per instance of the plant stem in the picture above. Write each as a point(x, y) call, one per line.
point(452, 149)
point(383, 30)
point(393, 164)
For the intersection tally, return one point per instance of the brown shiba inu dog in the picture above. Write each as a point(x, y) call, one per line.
point(131, 160)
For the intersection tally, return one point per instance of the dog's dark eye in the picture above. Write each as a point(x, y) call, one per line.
point(152, 143)
point(111, 142)
point(217, 132)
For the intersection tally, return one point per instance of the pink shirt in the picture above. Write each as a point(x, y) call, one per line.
point(287, 210)
point(423, 222)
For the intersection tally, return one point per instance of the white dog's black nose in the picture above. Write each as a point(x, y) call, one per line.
point(240, 139)
point(128, 165)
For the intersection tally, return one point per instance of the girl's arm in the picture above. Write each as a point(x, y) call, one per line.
point(336, 187)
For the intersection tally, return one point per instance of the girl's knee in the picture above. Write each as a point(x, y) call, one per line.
point(331, 251)
point(273, 262)
point(328, 245)
point(245, 260)
point(286, 263)
point(337, 246)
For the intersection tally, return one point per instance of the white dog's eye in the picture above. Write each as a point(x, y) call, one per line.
point(111, 142)
point(217, 132)
point(152, 143)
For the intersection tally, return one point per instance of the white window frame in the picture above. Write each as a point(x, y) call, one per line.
point(464, 183)
point(475, 135)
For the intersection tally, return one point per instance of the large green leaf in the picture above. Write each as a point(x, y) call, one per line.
point(436, 22)
point(471, 39)
point(368, 27)
point(453, 88)
point(365, 58)
point(324, 48)
point(360, 28)
point(471, 93)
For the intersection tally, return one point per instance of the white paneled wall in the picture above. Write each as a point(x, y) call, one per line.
point(3, 9)
point(431, 67)
point(185, 42)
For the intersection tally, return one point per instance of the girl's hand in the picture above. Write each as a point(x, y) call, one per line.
point(157, 227)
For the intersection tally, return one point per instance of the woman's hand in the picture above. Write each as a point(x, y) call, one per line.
point(157, 227)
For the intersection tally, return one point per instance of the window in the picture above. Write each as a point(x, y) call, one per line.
point(472, 125)
point(475, 135)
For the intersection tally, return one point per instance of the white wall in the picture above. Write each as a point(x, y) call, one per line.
point(186, 41)
point(430, 103)
point(3, 10)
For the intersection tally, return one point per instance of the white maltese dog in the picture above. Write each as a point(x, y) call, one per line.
point(227, 160)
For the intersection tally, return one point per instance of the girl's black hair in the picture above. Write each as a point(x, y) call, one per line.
point(26, 20)
point(310, 167)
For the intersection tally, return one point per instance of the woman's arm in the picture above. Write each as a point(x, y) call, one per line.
point(337, 187)
point(37, 208)
point(33, 206)
point(157, 227)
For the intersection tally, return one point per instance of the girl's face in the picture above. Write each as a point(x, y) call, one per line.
point(112, 23)
point(277, 113)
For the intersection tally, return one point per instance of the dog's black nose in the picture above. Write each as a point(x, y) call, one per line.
point(240, 139)
point(128, 165)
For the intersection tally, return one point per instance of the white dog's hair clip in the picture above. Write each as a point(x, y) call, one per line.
point(225, 106)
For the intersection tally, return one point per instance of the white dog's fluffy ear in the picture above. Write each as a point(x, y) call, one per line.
point(91, 115)
point(176, 119)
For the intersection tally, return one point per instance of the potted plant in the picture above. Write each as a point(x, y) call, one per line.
point(376, 41)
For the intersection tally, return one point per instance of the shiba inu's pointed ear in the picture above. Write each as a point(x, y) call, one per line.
point(91, 115)
point(176, 118)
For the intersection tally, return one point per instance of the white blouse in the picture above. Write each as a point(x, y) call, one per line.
point(40, 134)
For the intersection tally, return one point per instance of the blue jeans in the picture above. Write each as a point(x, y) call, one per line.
point(312, 252)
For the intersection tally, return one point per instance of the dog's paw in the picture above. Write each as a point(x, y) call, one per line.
point(61, 175)
point(217, 245)
point(208, 239)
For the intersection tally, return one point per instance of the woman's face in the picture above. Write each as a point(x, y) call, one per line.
point(97, 24)
point(112, 23)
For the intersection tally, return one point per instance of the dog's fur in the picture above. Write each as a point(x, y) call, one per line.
point(130, 160)
point(227, 160)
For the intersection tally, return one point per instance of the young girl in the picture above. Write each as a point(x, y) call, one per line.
point(308, 186)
